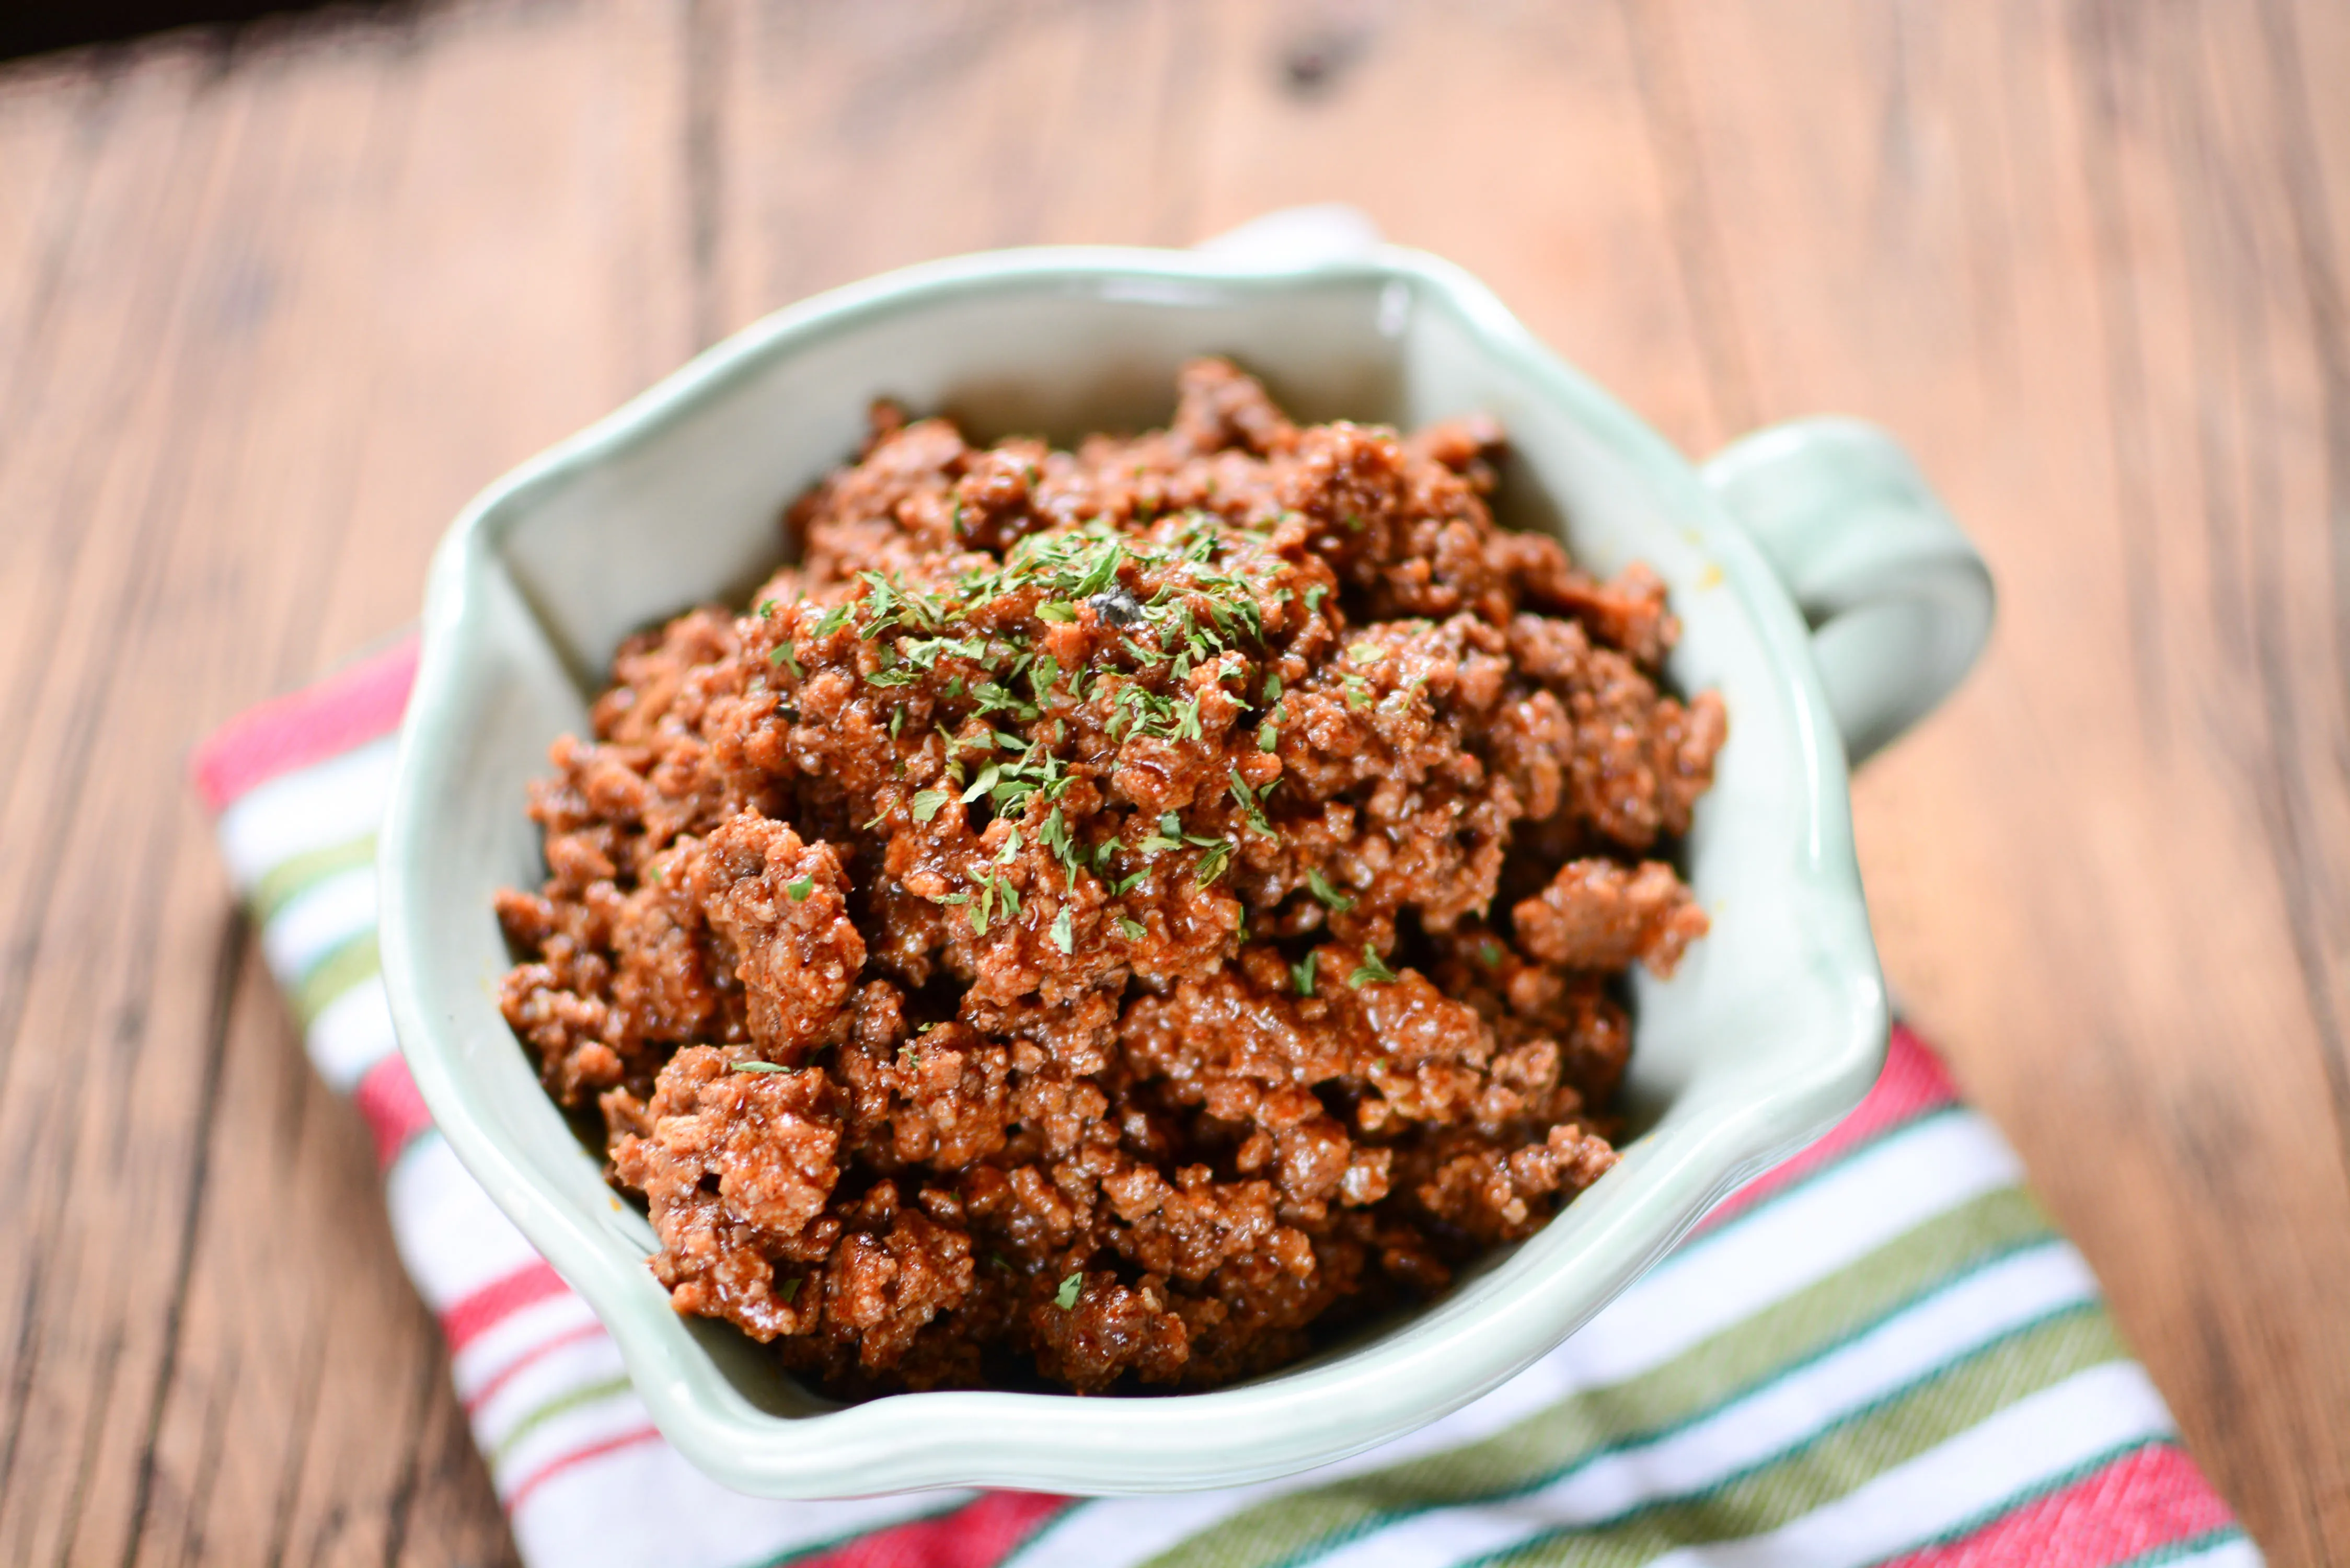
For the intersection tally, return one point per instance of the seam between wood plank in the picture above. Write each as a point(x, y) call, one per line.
point(208, 1461)
point(401, 1504)
point(705, 167)
point(2224, 524)
point(24, 1362)
point(70, 190)
point(126, 1035)
point(308, 1380)
point(2221, 251)
point(2322, 288)
point(93, 1430)
point(228, 966)
point(50, 1243)
point(1661, 77)
point(2285, 817)
point(1176, 180)
point(2296, 846)
point(298, 654)
point(2094, 93)
point(31, 366)
point(2300, 849)
point(165, 490)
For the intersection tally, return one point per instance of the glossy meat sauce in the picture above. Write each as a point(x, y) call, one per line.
point(1113, 917)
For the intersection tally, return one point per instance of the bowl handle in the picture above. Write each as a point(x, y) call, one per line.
point(1898, 600)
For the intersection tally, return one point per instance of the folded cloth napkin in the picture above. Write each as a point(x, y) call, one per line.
point(1879, 1352)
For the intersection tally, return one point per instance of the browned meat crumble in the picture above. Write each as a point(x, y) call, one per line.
point(1114, 916)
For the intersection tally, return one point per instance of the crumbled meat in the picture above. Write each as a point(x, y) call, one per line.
point(1114, 916)
point(1599, 915)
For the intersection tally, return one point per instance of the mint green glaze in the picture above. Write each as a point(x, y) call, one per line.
point(1901, 600)
point(1772, 1028)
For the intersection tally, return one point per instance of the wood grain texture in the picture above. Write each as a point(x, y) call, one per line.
point(272, 305)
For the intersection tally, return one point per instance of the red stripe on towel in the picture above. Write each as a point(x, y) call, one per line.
point(470, 1317)
point(394, 1111)
point(980, 1534)
point(572, 1460)
point(528, 1359)
point(1913, 1082)
point(345, 711)
point(2143, 1501)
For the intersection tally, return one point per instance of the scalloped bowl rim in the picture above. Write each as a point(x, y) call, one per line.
point(1331, 1407)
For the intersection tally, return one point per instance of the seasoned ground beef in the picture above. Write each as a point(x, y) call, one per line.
point(1118, 916)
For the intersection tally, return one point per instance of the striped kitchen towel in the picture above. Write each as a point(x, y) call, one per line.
point(1878, 1353)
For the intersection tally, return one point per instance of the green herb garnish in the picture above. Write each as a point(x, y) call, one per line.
point(1338, 902)
point(1372, 972)
point(1249, 805)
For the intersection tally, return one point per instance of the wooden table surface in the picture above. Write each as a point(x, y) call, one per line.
point(273, 305)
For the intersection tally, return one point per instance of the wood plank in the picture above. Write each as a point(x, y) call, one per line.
point(310, 1417)
point(267, 318)
point(123, 1038)
point(1515, 140)
point(69, 938)
point(526, 269)
point(2055, 253)
point(393, 272)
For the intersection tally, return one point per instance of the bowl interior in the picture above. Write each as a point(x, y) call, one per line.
point(1772, 1027)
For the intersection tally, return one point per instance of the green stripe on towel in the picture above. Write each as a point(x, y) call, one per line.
point(1848, 1454)
point(343, 967)
point(569, 1400)
point(1532, 1452)
point(290, 878)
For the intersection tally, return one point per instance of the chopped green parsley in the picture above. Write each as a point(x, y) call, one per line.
point(1372, 972)
point(1320, 886)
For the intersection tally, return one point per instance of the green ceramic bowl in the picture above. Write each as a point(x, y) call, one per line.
point(1820, 588)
